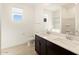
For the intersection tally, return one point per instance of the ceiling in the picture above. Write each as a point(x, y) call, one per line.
point(55, 6)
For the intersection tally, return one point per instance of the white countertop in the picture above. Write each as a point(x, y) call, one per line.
point(61, 40)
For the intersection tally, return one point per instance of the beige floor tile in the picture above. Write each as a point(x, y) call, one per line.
point(23, 49)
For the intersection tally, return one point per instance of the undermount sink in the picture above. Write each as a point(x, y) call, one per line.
point(63, 38)
point(74, 40)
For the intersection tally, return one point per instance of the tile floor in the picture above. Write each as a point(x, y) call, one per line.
point(23, 49)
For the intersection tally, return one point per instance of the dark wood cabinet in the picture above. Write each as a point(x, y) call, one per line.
point(40, 45)
point(53, 49)
point(37, 44)
point(44, 47)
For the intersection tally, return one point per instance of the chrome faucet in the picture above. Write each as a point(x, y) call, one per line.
point(69, 35)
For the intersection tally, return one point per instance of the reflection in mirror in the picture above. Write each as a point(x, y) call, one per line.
point(63, 18)
point(56, 21)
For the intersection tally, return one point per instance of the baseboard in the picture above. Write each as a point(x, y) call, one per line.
point(30, 41)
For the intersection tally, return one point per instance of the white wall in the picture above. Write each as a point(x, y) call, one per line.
point(39, 24)
point(43, 11)
point(0, 26)
point(15, 34)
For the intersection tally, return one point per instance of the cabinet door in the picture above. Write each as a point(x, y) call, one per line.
point(37, 44)
point(50, 48)
point(43, 46)
point(40, 45)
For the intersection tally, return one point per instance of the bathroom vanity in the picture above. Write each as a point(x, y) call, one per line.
point(65, 22)
point(55, 44)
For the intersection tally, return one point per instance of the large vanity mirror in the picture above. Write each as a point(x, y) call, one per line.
point(63, 18)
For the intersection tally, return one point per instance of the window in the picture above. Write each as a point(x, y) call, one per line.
point(17, 15)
